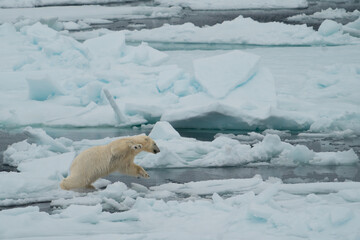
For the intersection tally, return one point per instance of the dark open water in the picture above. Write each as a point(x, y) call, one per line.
point(202, 18)
point(299, 174)
point(302, 173)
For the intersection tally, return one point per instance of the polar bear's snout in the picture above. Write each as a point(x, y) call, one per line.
point(156, 149)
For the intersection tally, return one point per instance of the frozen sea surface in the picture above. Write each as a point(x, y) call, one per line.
point(53, 71)
point(149, 14)
point(42, 160)
point(225, 173)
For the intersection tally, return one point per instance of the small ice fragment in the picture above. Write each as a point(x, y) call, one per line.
point(163, 130)
point(329, 27)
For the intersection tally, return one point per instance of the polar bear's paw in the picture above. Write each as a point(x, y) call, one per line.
point(142, 173)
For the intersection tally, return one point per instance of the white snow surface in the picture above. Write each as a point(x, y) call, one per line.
point(42, 3)
point(62, 80)
point(85, 12)
point(43, 161)
point(254, 207)
point(49, 78)
point(240, 31)
point(329, 13)
point(233, 4)
point(227, 71)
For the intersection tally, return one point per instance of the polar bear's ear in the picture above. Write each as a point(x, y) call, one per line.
point(147, 138)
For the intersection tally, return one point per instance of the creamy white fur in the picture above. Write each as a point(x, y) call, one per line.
point(99, 161)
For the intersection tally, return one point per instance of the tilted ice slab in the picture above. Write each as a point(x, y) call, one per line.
point(231, 4)
point(353, 28)
point(240, 31)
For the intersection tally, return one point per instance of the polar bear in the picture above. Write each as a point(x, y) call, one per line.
point(100, 161)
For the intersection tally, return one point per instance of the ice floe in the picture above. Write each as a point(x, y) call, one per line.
point(43, 161)
point(322, 209)
point(40, 3)
point(353, 28)
point(231, 4)
point(240, 31)
point(70, 14)
point(329, 13)
point(219, 75)
point(65, 82)
point(256, 208)
point(177, 151)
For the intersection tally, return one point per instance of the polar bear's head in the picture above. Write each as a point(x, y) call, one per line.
point(148, 144)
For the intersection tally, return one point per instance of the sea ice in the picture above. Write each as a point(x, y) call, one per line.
point(45, 161)
point(148, 85)
point(231, 4)
point(108, 45)
point(37, 3)
point(81, 12)
point(164, 131)
point(239, 31)
point(220, 74)
point(257, 208)
point(322, 209)
point(329, 13)
point(41, 88)
point(329, 27)
point(353, 28)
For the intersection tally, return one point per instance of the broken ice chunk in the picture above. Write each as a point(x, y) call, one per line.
point(218, 75)
point(42, 87)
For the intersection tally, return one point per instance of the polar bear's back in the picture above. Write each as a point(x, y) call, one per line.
point(94, 159)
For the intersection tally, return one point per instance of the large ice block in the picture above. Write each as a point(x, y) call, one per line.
point(219, 75)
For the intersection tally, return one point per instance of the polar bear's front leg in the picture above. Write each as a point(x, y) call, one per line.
point(135, 170)
point(141, 172)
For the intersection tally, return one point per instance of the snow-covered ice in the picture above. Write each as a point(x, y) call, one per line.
point(257, 208)
point(233, 4)
point(41, 3)
point(63, 80)
point(254, 207)
point(43, 161)
point(353, 28)
point(329, 13)
point(73, 14)
point(240, 31)
point(47, 78)
point(219, 75)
